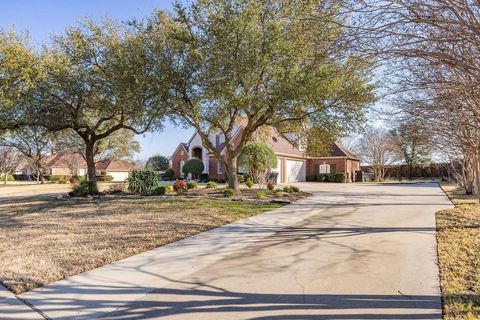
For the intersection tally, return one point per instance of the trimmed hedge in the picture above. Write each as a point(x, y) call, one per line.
point(340, 177)
point(9, 178)
point(327, 177)
point(56, 177)
point(105, 178)
point(169, 174)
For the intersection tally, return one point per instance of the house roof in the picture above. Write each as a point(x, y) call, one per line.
point(340, 150)
point(62, 160)
point(281, 145)
point(116, 165)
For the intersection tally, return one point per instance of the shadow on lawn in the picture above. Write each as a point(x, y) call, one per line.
point(191, 300)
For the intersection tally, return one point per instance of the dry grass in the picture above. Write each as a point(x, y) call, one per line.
point(43, 240)
point(458, 237)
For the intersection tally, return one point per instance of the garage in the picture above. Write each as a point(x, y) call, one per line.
point(295, 170)
point(118, 175)
point(278, 170)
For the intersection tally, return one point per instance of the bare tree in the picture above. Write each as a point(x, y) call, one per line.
point(377, 148)
point(430, 49)
point(9, 160)
point(34, 143)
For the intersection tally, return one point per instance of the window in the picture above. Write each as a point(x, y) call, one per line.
point(324, 168)
point(219, 167)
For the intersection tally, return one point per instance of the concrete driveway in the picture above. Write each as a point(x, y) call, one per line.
point(349, 252)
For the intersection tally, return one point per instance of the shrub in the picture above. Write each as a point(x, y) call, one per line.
point(63, 181)
point(192, 184)
point(194, 166)
point(212, 185)
point(249, 183)
point(340, 177)
point(260, 195)
point(143, 181)
point(9, 178)
point(18, 177)
point(228, 193)
point(291, 189)
point(57, 177)
point(270, 185)
point(273, 176)
point(84, 189)
point(179, 184)
point(240, 178)
point(160, 190)
point(310, 177)
point(116, 188)
point(320, 177)
point(105, 178)
point(221, 181)
point(181, 191)
point(204, 177)
point(169, 174)
point(295, 189)
point(329, 177)
point(168, 189)
point(73, 180)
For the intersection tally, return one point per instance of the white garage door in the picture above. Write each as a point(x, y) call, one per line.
point(295, 171)
point(118, 176)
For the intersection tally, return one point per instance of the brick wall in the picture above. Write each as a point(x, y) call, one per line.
point(176, 159)
point(347, 166)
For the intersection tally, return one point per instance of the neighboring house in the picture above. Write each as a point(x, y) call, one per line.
point(293, 165)
point(118, 169)
point(65, 164)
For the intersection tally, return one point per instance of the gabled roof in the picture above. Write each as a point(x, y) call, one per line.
point(61, 160)
point(116, 165)
point(340, 150)
point(180, 145)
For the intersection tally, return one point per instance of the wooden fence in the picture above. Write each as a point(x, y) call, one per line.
point(431, 171)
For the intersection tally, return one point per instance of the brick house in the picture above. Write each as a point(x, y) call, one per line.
point(67, 164)
point(293, 165)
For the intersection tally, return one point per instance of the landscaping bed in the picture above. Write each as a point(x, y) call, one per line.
point(458, 238)
point(45, 240)
point(285, 194)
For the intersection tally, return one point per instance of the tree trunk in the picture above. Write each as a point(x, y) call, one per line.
point(89, 157)
point(231, 173)
point(5, 178)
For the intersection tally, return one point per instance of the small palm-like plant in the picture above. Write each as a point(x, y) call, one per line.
point(143, 181)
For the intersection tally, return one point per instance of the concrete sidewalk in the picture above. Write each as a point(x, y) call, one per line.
point(13, 308)
point(97, 292)
point(348, 252)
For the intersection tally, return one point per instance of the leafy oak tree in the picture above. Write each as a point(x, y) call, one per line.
point(158, 163)
point(258, 63)
point(93, 80)
point(120, 145)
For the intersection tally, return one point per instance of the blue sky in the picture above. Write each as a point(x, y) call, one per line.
point(41, 18)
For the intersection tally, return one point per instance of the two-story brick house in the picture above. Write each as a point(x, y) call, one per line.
point(293, 165)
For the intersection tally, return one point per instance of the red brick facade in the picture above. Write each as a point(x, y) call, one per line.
point(181, 154)
point(342, 160)
point(337, 164)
